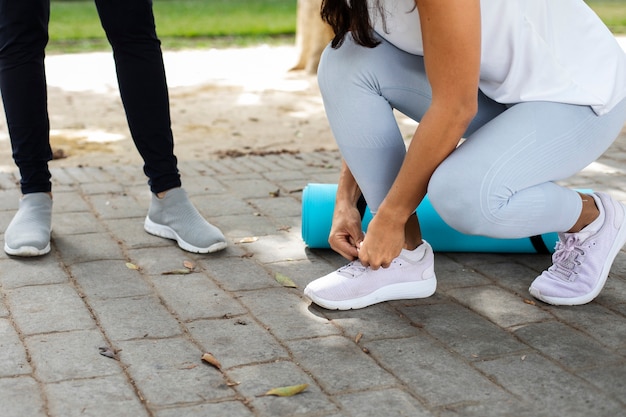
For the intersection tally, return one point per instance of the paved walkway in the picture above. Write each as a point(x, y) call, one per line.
point(479, 347)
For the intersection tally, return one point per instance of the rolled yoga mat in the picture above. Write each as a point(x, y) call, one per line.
point(318, 204)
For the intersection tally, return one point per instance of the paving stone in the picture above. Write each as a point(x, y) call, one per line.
point(236, 274)
point(226, 408)
point(255, 380)
point(545, 386)
point(609, 379)
point(48, 308)
point(375, 322)
point(69, 355)
point(15, 273)
point(245, 225)
point(451, 274)
point(109, 279)
point(117, 206)
point(237, 341)
point(339, 364)
point(134, 318)
point(213, 206)
point(195, 296)
point(163, 259)
point(68, 202)
point(95, 397)
point(279, 206)
point(285, 314)
point(67, 224)
point(21, 397)
point(87, 247)
point(568, 346)
point(251, 188)
point(465, 332)
point(389, 403)
point(278, 247)
point(130, 232)
point(170, 372)
point(432, 373)
point(513, 276)
point(503, 308)
point(602, 324)
point(13, 359)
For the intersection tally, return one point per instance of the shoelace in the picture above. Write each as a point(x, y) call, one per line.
point(352, 270)
point(565, 258)
point(356, 268)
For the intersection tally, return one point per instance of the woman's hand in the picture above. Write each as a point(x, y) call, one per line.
point(383, 242)
point(346, 233)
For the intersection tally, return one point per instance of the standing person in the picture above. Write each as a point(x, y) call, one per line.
point(536, 87)
point(130, 28)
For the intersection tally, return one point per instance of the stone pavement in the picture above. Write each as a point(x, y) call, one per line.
point(478, 347)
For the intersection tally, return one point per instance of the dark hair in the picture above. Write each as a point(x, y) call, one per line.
point(344, 18)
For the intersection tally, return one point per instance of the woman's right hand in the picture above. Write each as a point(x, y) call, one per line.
point(346, 233)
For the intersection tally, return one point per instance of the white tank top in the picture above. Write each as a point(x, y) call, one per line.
point(532, 50)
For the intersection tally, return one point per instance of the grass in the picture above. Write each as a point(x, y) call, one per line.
point(612, 13)
point(75, 27)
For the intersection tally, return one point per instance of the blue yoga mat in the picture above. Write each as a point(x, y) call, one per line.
point(318, 204)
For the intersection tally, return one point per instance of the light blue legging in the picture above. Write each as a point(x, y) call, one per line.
point(500, 181)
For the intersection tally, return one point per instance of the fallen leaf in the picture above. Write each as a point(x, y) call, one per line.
point(358, 337)
point(286, 391)
point(210, 359)
point(531, 302)
point(247, 255)
point(132, 266)
point(249, 239)
point(275, 193)
point(284, 280)
point(178, 272)
point(108, 352)
point(189, 265)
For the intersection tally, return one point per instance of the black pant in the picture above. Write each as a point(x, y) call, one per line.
point(129, 26)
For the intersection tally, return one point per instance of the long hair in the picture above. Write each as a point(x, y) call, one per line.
point(344, 18)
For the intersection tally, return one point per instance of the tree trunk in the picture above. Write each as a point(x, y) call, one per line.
point(312, 35)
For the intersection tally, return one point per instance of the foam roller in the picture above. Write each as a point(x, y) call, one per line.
point(318, 204)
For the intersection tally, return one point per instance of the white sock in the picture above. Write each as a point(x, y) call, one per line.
point(414, 255)
point(593, 227)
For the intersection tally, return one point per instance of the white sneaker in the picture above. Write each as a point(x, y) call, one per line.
point(355, 286)
point(28, 234)
point(581, 264)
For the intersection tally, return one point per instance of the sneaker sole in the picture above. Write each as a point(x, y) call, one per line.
point(402, 291)
point(169, 233)
point(26, 251)
point(620, 240)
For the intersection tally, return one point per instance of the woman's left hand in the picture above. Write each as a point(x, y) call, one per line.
point(383, 241)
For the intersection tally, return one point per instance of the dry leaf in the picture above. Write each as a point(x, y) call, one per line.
point(358, 337)
point(531, 302)
point(284, 280)
point(248, 239)
point(108, 352)
point(286, 391)
point(178, 272)
point(275, 193)
point(189, 265)
point(210, 359)
point(131, 266)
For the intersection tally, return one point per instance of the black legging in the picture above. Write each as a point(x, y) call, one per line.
point(130, 28)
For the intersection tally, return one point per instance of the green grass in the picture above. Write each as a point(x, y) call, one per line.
point(612, 13)
point(74, 25)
